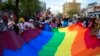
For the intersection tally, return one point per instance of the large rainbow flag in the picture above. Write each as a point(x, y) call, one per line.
point(69, 41)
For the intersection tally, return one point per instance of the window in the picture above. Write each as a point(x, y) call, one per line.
point(99, 15)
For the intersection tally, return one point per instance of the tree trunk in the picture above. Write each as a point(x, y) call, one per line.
point(17, 9)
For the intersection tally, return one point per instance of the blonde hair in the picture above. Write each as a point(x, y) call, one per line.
point(21, 19)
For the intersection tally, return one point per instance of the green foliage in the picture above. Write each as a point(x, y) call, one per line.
point(21, 7)
point(27, 7)
point(59, 15)
point(0, 6)
point(8, 5)
point(72, 12)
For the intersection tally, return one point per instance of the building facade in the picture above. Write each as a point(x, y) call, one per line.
point(69, 6)
point(93, 9)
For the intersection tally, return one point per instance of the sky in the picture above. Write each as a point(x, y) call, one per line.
point(57, 5)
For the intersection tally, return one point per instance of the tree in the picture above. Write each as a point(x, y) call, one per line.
point(8, 5)
point(28, 7)
point(21, 7)
point(72, 12)
point(0, 6)
point(59, 15)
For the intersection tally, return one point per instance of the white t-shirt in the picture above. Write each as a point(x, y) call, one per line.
point(1, 21)
point(10, 24)
point(74, 21)
point(31, 25)
point(62, 22)
point(47, 21)
point(21, 26)
point(70, 23)
point(99, 32)
point(28, 25)
point(84, 25)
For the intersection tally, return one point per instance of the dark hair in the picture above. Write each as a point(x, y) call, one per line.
point(81, 19)
point(70, 20)
point(16, 29)
point(93, 22)
point(53, 20)
point(26, 18)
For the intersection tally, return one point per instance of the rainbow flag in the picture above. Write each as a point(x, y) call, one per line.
point(69, 41)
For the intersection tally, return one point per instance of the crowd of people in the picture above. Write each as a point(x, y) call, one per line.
point(8, 21)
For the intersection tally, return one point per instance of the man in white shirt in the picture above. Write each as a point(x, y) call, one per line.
point(28, 25)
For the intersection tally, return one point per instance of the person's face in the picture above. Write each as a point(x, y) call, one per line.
point(5, 13)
